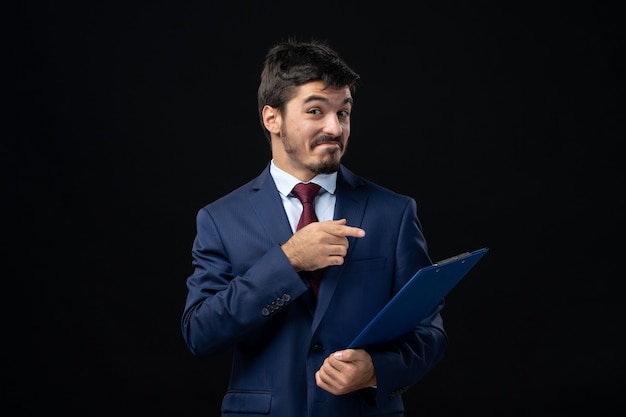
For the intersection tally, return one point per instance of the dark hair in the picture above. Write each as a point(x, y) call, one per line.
point(291, 63)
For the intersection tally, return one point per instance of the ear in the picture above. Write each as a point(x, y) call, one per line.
point(271, 119)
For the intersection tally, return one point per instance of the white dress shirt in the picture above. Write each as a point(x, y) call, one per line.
point(324, 201)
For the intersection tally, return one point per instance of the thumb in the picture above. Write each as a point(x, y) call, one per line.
point(342, 355)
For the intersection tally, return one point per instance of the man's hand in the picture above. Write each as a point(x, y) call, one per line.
point(320, 244)
point(346, 371)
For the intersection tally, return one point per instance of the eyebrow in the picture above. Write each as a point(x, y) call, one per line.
point(315, 97)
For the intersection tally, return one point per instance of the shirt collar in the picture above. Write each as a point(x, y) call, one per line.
point(285, 181)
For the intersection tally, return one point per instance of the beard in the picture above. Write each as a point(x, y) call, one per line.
point(325, 167)
point(329, 164)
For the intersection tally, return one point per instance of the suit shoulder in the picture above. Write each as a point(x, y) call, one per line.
point(234, 197)
point(374, 189)
point(240, 194)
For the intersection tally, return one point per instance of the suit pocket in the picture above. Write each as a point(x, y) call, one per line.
point(247, 402)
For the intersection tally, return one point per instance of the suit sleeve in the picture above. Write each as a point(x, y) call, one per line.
point(223, 306)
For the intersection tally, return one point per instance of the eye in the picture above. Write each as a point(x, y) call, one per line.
point(315, 111)
point(343, 113)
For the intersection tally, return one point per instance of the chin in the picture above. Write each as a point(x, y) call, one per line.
point(326, 167)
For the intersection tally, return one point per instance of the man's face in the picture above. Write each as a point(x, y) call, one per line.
point(312, 133)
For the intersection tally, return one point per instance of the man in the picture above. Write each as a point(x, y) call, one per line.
point(252, 288)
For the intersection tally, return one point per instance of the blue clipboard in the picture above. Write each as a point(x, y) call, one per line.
point(416, 300)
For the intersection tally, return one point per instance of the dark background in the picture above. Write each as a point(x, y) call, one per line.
point(503, 121)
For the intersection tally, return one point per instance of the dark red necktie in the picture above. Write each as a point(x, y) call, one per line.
point(306, 194)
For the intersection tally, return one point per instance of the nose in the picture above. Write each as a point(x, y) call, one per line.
point(332, 126)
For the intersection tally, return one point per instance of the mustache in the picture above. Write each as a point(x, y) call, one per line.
point(327, 139)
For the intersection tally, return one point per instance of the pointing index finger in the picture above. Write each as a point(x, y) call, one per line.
point(343, 230)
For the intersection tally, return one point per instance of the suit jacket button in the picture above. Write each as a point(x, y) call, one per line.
point(265, 311)
point(318, 347)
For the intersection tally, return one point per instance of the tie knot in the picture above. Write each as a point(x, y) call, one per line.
point(306, 192)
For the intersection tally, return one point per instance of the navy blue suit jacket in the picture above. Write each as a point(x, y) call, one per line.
point(243, 294)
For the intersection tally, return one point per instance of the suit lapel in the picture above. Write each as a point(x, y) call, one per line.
point(350, 204)
point(268, 206)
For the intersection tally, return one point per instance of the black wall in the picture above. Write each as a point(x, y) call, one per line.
point(502, 121)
